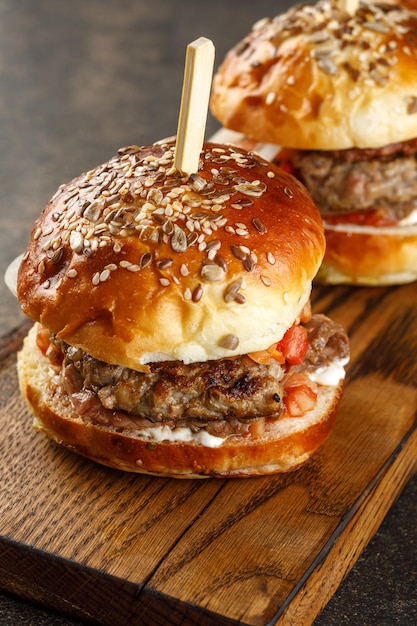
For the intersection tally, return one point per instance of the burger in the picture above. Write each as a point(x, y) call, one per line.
point(173, 332)
point(337, 92)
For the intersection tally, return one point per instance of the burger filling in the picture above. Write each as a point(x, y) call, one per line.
point(222, 397)
point(375, 187)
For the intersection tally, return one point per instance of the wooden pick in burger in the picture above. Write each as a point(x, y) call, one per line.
point(199, 62)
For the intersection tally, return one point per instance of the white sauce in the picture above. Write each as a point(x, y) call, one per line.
point(183, 434)
point(410, 219)
point(329, 375)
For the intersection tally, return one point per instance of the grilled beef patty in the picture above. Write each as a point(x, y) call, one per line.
point(213, 393)
point(211, 390)
point(344, 181)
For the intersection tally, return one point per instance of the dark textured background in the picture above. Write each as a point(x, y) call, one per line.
point(79, 79)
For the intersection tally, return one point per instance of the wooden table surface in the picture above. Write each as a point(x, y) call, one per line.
point(80, 79)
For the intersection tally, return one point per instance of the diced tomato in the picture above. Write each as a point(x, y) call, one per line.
point(42, 339)
point(294, 344)
point(364, 218)
point(284, 160)
point(264, 356)
point(54, 355)
point(299, 399)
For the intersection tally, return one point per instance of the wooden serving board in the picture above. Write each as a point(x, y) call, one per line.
point(124, 549)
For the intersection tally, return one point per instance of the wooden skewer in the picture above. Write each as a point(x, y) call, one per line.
point(199, 62)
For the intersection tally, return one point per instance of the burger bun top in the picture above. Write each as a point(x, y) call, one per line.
point(319, 78)
point(134, 262)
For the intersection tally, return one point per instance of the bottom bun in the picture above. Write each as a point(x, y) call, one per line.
point(366, 255)
point(286, 443)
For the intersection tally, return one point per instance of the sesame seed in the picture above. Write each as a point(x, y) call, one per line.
point(146, 197)
point(165, 282)
point(270, 258)
point(104, 275)
point(76, 241)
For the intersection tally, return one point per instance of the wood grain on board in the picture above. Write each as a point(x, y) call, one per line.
point(121, 548)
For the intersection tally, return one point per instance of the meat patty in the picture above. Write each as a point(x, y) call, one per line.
point(172, 391)
point(345, 181)
point(327, 343)
point(211, 392)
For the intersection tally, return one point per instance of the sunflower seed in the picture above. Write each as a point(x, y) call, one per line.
point(211, 272)
point(197, 294)
point(178, 239)
point(238, 252)
point(145, 260)
point(232, 290)
point(162, 264)
point(260, 227)
point(229, 342)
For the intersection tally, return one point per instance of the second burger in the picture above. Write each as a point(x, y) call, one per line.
point(338, 91)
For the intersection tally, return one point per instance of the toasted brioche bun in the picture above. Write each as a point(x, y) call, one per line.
point(286, 444)
point(362, 255)
point(317, 78)
point(135, 263)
